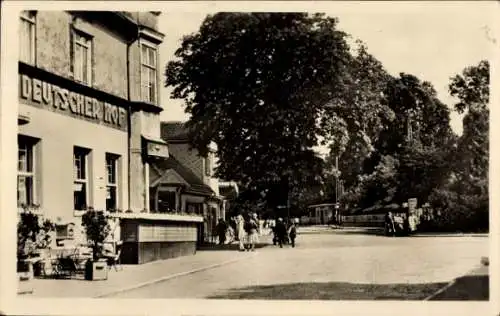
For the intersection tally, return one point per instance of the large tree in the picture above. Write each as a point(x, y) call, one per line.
point(464, 202)
point(471, 88)
point(413, 148)
point(260, 85)
point(358, 114)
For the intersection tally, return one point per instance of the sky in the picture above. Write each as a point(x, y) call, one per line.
point(434, 41)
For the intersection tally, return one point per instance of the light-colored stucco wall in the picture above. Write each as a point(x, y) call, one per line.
point(57, 135)
point(210, 180)
point(53, 42)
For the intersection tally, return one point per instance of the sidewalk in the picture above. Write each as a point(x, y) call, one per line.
point(134, 276)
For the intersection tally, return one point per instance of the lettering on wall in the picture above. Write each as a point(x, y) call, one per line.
point(43, 94)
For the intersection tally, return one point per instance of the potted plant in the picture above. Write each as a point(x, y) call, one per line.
point(33, 234)
point(97, 229)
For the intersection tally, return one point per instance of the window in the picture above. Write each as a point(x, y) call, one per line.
point(166, 201)
point(194, 208)
point(27, 37)
point(148, 73)
point(25, 172)
point(81, 57)
point(162, 201)
point(81, 178)
point(111, 181)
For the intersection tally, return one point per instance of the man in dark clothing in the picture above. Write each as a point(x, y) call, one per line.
point(390, 228)
point(280, 231)
point(221, 231)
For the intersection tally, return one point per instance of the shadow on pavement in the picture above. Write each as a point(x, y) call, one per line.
point(333, 291)
point(228, 247)
point(359, 231)
point(466, 288)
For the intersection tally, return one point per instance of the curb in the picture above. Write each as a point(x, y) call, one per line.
point(172, 276)
point(441, 290)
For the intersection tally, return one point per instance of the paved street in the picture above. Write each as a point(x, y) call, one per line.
point(332, 265)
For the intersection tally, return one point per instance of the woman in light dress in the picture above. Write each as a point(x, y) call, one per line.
point(240, 231)
point(253, 231)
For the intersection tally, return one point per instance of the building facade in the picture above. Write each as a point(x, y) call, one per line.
point(89, 125)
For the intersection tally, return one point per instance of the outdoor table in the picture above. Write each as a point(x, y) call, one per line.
point(68, 261)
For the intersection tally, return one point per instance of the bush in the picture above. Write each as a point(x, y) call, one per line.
point(459, 212)
point(32, 233)
point(97, 229)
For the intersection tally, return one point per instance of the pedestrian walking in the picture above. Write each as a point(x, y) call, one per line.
point(292, 233)
point(280, 231)
point(240, 232)
point(390, 228)
point(252, 231)
point(221, 230)
point(412, 222)
point(230, 234)
point(272, 231)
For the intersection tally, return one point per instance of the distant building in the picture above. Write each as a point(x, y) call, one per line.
point(192, 171)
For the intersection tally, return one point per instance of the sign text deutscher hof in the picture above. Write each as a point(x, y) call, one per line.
point(41, 93)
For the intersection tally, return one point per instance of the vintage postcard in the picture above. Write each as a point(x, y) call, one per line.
point(248, 158)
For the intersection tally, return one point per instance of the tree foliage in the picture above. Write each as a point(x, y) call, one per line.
point(358, 114)
point(472, 90)
point(268, 87)
point(413, 147)
point(255, 84)
point(464, 202)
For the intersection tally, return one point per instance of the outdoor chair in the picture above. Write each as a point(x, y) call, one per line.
point(115, 260)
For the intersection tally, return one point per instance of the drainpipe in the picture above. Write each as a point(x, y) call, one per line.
point(129, 123)
point(129, 118)
point(146, 162)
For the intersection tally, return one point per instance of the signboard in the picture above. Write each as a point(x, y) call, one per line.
point(156, 149)
point(49, 96)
